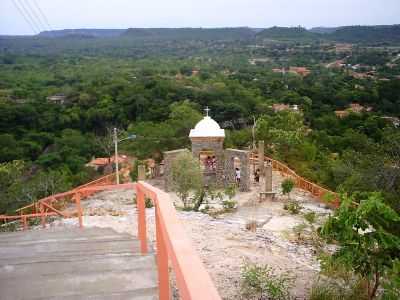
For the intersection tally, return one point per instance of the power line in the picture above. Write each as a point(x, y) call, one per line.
point(27, 12)
point(42, 14)
point(24, 16)
point(35, 15)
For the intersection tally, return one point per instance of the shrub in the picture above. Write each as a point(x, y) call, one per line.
point(261, 282)
point(229, 204)
point(335, 290)
point(230, 191)
point(186, 177)
point(287, 186)
point(293, 207)
point(310, 217)
point(147, 202)
point(9, 227)
point(251, 226)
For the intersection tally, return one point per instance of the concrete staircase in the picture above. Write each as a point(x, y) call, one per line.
point(90, 263)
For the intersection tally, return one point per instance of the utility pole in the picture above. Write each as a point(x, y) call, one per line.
point(116, 141)
point(116, 153)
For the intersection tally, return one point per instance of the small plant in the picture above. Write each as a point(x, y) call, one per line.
point(229, 205)
point(230, 191)
point(336, 290)
point(328, 197)
point(147, 201)
point(287, 186)
point(311, 217)
point(300, 232)
point(251, 226)
point(9, 227)
point(261, 282)
point(293, 207)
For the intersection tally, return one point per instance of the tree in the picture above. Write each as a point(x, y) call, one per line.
point(366, 233)
point(186, 176)
point(284, 131)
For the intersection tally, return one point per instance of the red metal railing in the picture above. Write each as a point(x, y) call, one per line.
point(44, 207)
point(172, 245)
point(302, 183)
point(194, 283)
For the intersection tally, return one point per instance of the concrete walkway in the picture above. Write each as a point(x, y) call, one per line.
point(93, 263)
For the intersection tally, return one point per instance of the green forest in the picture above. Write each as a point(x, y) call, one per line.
point(159, 97)
point(325, 101)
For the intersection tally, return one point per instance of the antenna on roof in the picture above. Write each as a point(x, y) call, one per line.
point(207, 110)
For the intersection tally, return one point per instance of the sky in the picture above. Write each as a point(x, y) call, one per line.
point(71, 14)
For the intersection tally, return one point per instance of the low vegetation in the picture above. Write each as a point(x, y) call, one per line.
point(262, 282)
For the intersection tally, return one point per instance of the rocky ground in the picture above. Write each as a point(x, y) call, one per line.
point(223, 242)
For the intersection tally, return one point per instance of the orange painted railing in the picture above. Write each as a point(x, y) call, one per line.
point(193, 281)
point(44, 207)
point(302, 183)
point(172, 245)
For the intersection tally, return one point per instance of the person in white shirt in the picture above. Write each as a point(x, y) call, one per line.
point(237, 176)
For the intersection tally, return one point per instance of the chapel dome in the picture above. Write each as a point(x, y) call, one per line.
point(207, 128)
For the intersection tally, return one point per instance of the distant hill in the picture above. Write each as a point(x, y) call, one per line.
point(287, 33)
point(323, 30)
point(367, 34)
point(239, 33)
point(349, 34)
point(82, 32)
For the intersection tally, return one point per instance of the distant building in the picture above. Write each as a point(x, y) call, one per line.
point(302, 71)
point(57, 99)
point(282, 71)
point(353, 108)
point(254, 61)
point(394, 120)
point(101, 163)
point(337, 64)
point(277, 107)
point(342, 113)
point(195, 72)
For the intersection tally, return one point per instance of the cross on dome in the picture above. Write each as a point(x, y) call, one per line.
point(207, 127)
point(207, 111)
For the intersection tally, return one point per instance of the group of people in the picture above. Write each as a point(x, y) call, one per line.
point(211, 163)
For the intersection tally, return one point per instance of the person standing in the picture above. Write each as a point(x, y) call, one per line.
point(237, 176)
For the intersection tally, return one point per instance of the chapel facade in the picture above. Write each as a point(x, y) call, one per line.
point(219, 165)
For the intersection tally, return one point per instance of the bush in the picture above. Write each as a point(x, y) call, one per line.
point(333, 290)
point(293, 207)
point(186, 177)
point(310, 217)
point(287, 186)
point(229, 204)
point(261, 282)
point(230, 191)
point(147, 202)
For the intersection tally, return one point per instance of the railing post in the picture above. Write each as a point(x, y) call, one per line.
point(24, 223)
point(79, 209)
point(162, 260)
point(42, 215)
point(141, 210)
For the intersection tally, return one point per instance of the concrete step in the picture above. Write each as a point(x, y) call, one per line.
point(65, 248)
point(51, 233)
point(104, 263)
point(77, 283)
point(139, 294)
point(95, 263)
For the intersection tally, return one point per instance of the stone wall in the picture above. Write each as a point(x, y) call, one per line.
point(229, 168)
point(169, 157)
point(217, 146)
